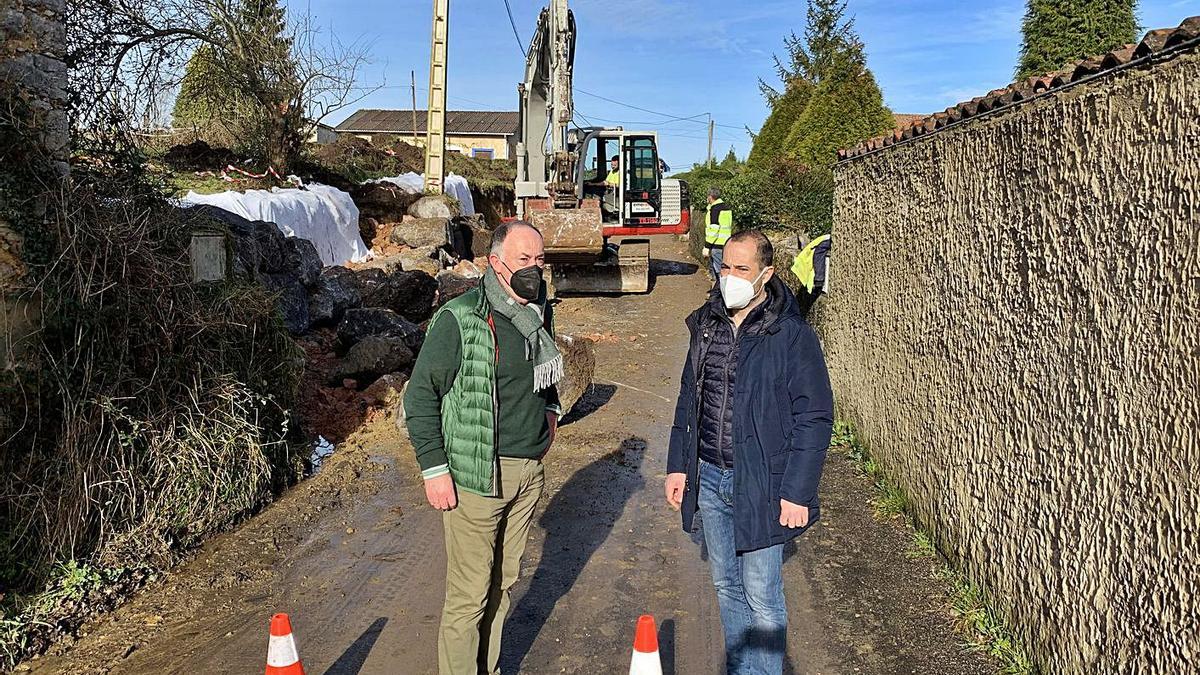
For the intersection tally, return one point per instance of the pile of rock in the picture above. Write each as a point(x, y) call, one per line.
point(364, 327)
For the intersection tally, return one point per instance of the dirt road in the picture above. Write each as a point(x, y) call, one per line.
point(356, 557)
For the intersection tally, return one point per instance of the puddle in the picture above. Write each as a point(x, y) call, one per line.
point(322, 450)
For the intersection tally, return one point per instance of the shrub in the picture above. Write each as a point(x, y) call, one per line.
point(784, 194)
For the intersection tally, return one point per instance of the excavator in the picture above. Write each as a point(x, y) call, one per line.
point(594, 218)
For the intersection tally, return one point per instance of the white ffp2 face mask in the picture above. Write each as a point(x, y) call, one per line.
point(737, 292)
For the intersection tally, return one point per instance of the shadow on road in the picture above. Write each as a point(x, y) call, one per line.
point(669, 268)
point(593, 399)
point(672, 268)
point(577, 522)
point(351, 661)
point(666, 646)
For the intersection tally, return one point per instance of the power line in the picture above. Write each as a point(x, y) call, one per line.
point(656, 112)
point(512, 22)
point(630, 105)
point(651, 122)
point(486, 106)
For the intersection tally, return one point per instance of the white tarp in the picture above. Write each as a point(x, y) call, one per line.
point(456, 186)
point(324, 215)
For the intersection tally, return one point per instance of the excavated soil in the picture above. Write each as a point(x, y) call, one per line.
point(356, 558)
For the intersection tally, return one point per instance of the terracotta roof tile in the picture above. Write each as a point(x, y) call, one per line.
point(911, 126)
point(1118, 57)
point(1088, 67)
point(1188, 30)
point(1154, 41)
point(905, 119)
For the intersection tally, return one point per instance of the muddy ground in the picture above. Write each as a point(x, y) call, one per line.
point(356, 557)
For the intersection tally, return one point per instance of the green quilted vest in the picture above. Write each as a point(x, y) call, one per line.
point(469, 409)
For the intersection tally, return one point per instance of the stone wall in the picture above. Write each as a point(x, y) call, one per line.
point(1014, 327)
point(32, 70)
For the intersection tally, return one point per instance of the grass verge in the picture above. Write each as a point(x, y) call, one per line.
point(975, 618)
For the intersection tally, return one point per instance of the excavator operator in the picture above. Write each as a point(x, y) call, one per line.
point(607, 189)
point(614, 175)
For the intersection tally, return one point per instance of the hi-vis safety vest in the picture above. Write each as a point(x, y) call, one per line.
point(613, 178)
point(719, 224)
point(807, 262)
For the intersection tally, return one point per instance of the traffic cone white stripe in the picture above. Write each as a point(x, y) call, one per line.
point(281, 651)
point(282, 656)
point(645, 663)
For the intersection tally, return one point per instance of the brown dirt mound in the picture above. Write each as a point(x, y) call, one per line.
point(199, 156)
point(353, 153)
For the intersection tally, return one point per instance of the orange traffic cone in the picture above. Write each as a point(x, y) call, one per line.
point(282, 657)
point(645, 648)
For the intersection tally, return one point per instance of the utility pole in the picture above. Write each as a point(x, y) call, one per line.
point(413, 74)
point(435, 139)
point(710, 135)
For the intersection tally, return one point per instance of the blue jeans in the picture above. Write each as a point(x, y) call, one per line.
point(749, 585)
point(715, 256)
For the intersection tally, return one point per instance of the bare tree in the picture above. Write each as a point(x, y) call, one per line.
point(127, 57)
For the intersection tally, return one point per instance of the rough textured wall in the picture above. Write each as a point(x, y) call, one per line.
point(1015, 329)
point(32, 49)
point(32, 46)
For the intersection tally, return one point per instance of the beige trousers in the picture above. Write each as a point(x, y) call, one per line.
point(485, 538)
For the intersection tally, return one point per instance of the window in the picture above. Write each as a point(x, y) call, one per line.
point(643, 165)
point(483, 153)
point(597, 157)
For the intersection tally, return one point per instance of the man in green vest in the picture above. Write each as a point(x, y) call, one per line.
point(718, 229)
point(489, 350)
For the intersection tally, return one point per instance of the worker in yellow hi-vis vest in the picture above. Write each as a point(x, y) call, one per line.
point(811, 267)
point(613, 179)
point(718, 229)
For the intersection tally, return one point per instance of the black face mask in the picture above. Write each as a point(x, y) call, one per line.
point(526, 282)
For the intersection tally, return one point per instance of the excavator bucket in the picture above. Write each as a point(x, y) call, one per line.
point(622, 269)
point(571, 235)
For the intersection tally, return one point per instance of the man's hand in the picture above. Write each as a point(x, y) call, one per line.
point(440, 492)
point(676, 482)
point(792, 515)
point(705, 251)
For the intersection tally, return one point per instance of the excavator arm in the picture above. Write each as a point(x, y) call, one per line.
point(547, 108)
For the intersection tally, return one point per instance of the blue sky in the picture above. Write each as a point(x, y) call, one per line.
point(688, 57)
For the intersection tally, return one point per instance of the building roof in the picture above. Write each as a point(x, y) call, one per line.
point(461, 122)
point(1155, 44)
point(906, 119)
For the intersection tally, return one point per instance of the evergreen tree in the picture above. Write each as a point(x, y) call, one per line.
point(194, 105)
point(830, 99)
point(730, 163)
point(244, 86)
point(1058, 32)
point(206, 103)
point(846, 108)
point(785, 110)
point(827, 35)
point(846, 105)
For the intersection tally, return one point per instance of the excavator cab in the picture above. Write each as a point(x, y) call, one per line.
point(635, 201)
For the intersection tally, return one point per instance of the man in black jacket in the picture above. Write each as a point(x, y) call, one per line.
point(752, 424)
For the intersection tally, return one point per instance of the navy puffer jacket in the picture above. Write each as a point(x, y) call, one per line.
point(782, 422)
point(719, 371)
